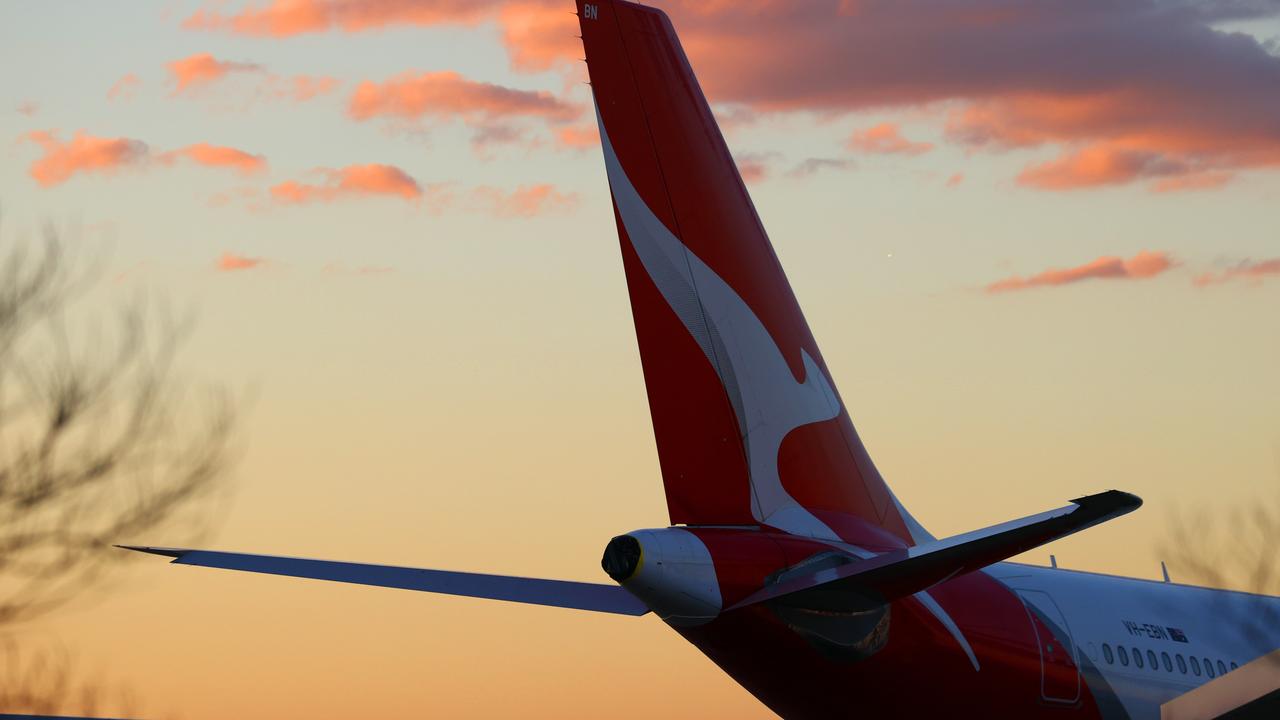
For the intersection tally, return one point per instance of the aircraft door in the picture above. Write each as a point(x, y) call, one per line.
point(1059, 669)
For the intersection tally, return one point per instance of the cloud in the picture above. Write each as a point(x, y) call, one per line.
point(231, 262)
point(497, 115)
point(1151, 88)
point(1255, 271)
point(489, 136)
point(955, 180)
point(353, 180)
point(86, 153)
point(813, 165)
point(283, 18)
point(886, 139)
point(1114, 164)
point(82, 154)
point(524, 201)
point(447, 95)
point(754, 167)
point(124, 88)
point(201, 69)
point(216, 156)
point(301, 88)
point(1099, 165)
point(1208, 180)
point(578, 138)
point(537, 33)
point(1145, 264)
point(295, 88)
point(731, 117)
point(27, 108)
point(386, 180)
point(248, 195)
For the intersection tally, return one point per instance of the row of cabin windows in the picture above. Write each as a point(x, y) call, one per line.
point(1164, 658)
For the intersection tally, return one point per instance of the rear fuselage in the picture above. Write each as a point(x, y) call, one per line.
point(1013, 640)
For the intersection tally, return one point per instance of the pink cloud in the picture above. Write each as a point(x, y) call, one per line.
point(525, 201)
point(1145, 264)
point(1103, 164)
point(496, 114)
point(231, 262)
point(813, 165)
point(86, 153)
point(754, 167)
point(216, 156)
point(448, 95)
point(82, 154)
point(306, 87)
point(296, 88)
point(283, 18)
point(1255, 271)
point(578, 138)
point(886, 139)
point(202, 69)
point(124, 88)
point(353, 180)
point(1129, 91)
point(27, 108)
point(955, 180)
point(1209, 180)
point(539, 34)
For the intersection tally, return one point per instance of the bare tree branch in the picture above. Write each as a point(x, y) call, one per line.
point(98, 445)
point(1233, 550)
point(44, 681)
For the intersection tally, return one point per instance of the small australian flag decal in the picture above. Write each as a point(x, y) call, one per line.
point(1177, 635)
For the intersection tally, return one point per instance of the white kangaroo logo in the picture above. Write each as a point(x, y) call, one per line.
point(768, 400)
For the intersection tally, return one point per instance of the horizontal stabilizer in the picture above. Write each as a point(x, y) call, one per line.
point(534, 591)
point(863, 584)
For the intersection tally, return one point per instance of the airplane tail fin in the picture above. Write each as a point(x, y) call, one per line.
point(749, 426)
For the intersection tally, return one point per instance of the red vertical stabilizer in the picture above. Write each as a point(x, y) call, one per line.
point(749, 426)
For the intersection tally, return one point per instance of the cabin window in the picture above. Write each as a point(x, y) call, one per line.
point(1151, 659)
point(1106, 653)
point(1208, 667)
point(1195, 666)
point(1137, 657)
point(1234, 665)
point(1222, 669)
point(1124, 655)
point(1168, 661)
point(1182, 664)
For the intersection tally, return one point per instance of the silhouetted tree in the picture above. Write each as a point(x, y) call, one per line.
point(45, 681)
point(1233, 549)
point(98, 444)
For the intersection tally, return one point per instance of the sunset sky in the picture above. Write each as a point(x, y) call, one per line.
point(1037, 241)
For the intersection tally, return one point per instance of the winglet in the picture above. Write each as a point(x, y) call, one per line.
point(166, 552)
point(1110, 501)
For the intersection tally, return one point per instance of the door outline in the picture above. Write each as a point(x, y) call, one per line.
point(1052, 617)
